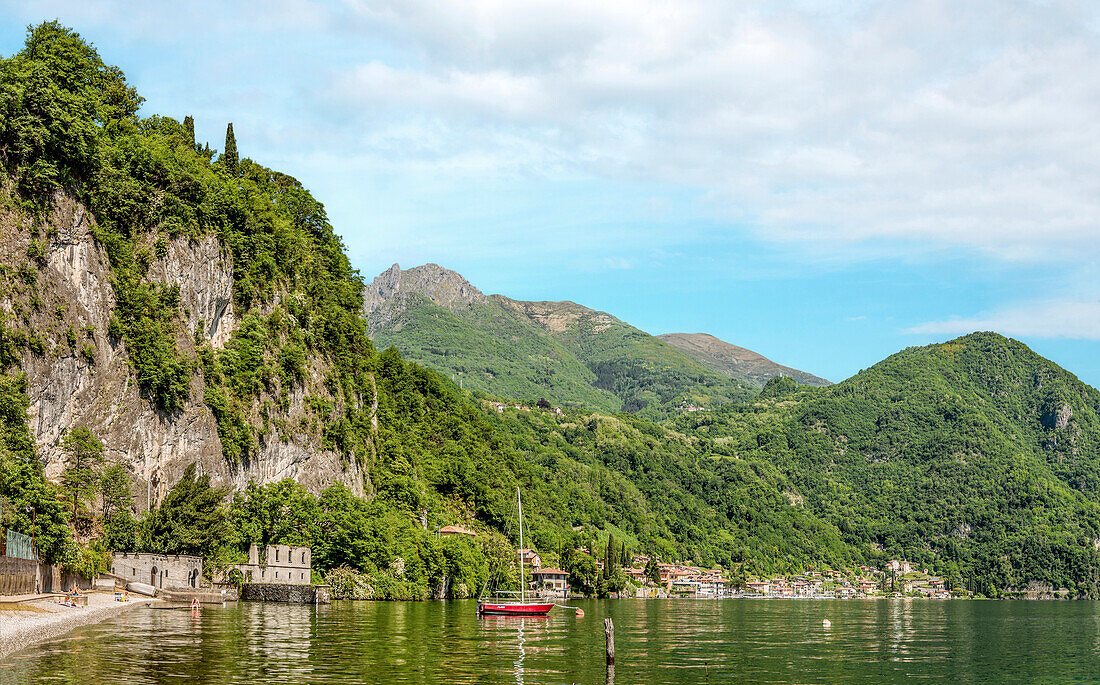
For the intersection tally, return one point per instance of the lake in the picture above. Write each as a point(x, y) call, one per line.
point(657, 641)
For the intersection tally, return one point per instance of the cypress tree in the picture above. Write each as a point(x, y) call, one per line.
point(230, 154)
point(189, 129)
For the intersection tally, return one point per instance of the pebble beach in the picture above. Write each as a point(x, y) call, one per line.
point(26, 623)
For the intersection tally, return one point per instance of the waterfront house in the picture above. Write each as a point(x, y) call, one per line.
point(552, 580)
point(685, 587)
point(531, 558)
point(760, 587)
point(637, 575)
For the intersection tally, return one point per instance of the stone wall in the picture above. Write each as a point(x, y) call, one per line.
point(160, 570)
point(280, 592)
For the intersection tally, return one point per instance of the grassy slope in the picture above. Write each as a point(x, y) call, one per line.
point(494, 351)
point(568, 354)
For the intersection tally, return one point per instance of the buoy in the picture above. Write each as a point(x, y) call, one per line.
point(826, 623)
point(580, 613)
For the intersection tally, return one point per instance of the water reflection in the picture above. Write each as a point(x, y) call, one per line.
point(657, 642)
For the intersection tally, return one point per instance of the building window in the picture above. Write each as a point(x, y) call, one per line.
point(303, 557)
point(276, 554)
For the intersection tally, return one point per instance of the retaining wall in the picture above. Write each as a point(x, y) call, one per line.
point(280, 592)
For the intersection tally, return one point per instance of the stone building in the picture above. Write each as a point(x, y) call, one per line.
point(280, 564)
point(159, 570)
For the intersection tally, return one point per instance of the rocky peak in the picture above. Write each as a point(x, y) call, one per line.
point(443, 287)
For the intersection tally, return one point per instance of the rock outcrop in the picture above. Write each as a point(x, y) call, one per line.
point(81, 377)
point(443, 287)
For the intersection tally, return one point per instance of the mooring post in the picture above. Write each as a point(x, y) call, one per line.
point(609, 634)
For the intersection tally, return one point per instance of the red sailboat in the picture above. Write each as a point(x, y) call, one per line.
point(503, 606)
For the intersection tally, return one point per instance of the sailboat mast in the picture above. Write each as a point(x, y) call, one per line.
point(519, 501)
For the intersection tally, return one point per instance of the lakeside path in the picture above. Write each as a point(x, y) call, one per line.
point(26, 623)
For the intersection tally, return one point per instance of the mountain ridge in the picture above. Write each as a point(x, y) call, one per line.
point(736, 361)
point(565, 351)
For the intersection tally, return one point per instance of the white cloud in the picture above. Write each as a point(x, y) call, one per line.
point(1042, 319)
point(838, 129)
point(929, 122)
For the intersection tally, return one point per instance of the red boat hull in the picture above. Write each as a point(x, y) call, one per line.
point(513, 609)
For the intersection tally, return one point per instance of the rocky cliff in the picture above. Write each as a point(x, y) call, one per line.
point(59, 296)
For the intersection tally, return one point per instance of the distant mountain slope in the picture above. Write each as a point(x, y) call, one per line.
point(976, 456)
point(562, 351)
point(735, 362)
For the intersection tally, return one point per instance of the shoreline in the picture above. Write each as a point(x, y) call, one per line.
point(44, 620)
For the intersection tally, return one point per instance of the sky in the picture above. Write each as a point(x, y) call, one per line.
point(822, 182)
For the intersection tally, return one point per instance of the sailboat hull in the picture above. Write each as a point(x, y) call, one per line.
point(513, 609)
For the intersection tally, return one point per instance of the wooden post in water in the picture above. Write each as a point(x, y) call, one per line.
point(609, 635)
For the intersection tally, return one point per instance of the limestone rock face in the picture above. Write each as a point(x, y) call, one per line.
point(204, 273)
point(1058, 417)
point(83, 378)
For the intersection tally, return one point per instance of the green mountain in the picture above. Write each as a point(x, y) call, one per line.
point(560, 351)
point(976, 457)
point(735, 362)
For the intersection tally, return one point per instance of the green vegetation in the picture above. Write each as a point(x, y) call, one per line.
point(976, 458)
point(84, 456)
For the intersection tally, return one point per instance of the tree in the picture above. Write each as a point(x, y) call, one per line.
point(610, 557)
point(33, 506)
point(229, 157)
point(584, 576)
point(652, 571)
point(84, 456)
point(190, 520)
point(119, 526)
point(53, 95)
point(189, 128)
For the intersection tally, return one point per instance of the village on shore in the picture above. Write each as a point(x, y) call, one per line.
point(650, 578)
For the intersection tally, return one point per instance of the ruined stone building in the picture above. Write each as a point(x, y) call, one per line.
point(280, 564)
point(159, 570)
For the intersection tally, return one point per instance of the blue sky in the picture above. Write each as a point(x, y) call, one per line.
point(825, 183)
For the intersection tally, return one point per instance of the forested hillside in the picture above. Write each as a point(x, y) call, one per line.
point(976, 457)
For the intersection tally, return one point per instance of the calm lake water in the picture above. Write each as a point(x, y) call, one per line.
point(663, 641)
